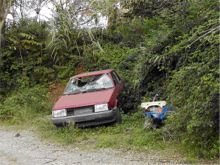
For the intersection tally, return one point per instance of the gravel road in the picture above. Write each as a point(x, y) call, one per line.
point(26, 148)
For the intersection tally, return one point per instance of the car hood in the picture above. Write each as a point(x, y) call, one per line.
point(83, 99)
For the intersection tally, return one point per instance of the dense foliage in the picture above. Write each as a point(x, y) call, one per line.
point(169, 47)
point(25, 105)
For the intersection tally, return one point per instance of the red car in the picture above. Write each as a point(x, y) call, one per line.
point(89, 99)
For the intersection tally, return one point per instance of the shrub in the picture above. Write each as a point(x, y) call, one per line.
point(25, 104)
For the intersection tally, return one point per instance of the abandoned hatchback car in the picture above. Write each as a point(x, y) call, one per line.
point(89, 99)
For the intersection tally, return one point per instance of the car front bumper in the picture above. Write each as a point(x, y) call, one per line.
point(88, 119)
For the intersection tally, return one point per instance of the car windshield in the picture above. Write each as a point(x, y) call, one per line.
point(88, 84)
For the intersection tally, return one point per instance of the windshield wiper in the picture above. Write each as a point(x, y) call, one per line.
point(89, 90)
point(72, 93)
point(99, 89)
point(93, 89)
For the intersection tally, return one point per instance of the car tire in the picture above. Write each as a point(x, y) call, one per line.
point(118, 117)
point(58, 125)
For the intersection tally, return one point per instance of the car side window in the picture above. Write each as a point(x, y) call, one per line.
point(115, 77)
point(119, 79)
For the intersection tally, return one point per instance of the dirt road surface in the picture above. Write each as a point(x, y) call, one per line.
point(26, 148)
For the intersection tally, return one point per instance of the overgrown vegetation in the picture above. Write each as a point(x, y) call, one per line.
point(24, 105)
point(170, 48)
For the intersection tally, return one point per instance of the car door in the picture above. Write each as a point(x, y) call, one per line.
point(118, 87)
point(117, 80)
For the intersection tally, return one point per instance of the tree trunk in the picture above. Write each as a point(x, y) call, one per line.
point(4, 8)
point(1, 25)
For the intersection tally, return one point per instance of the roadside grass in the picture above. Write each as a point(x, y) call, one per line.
point(128, 134)
point(25, 105)
point(30, 109)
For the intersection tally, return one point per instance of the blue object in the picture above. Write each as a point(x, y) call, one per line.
point(160, 116)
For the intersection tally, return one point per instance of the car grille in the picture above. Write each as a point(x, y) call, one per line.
point(80, 111)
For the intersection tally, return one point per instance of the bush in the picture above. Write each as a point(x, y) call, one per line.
point(196, 122)
point(25, 104)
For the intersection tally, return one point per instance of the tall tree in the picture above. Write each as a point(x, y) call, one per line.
point(4, 9)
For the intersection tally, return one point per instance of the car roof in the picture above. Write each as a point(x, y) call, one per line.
point(87, 74)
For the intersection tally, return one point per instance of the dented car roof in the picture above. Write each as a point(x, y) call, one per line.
point(87, 74)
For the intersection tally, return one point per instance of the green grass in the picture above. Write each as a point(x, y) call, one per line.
point(29, 109)
point(128, 134)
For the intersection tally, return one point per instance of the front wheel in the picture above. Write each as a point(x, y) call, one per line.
point(59, 125)
point(118, 117)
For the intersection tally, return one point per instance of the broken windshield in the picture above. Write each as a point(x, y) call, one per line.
point(88, 84)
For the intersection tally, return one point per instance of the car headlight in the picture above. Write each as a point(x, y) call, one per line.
point(59, 113)
point(101, 107)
